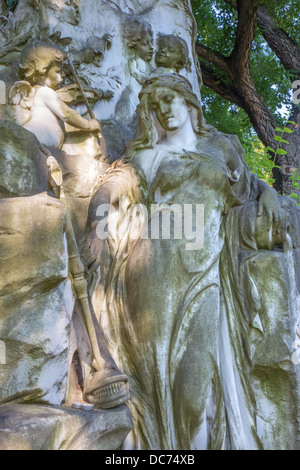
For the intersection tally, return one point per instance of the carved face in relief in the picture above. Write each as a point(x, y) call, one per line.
point(170, 109)
point(144, 47)
point(41, 62)
point(137, 7)
point(139, 38)
point(54, 76)
point(172, 52)
point(65, 10)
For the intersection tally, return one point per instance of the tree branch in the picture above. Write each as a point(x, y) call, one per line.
point(244, 94)
point(279, 41)
point(242, 90)
point(214, 83)
point(212, 56)
point(244, 36)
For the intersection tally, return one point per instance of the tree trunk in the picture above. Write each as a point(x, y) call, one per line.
point(242, 90)
point(288, 53)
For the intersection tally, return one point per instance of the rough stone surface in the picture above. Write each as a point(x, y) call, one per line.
point(36, 427)
point(36, 299)
point(22, 164)
point(276, 378)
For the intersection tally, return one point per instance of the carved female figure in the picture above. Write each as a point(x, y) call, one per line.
point(139, 43)
point(167, 313)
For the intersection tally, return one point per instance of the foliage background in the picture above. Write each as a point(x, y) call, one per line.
point(217, 23)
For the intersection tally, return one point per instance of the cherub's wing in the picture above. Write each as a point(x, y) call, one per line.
point(21, 96)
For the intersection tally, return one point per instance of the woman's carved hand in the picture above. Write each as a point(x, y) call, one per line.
point(269, 206)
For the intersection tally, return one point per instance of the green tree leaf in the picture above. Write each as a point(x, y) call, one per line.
point(281, 152)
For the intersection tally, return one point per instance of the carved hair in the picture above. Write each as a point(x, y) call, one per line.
point(134, 30)
point(148, 132)
point(182, 50)
point(37, 58)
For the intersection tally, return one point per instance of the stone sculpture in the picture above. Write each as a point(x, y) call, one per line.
point(40, 110)
point(138, 38)
point(58, 11)
point(178, 337)
point(172, 54)
point(189, 286)
point(107, 387)
point(136, 7)
point(39, 107)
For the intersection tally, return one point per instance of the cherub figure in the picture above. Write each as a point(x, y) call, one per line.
point(38, 106)
point(172, 54)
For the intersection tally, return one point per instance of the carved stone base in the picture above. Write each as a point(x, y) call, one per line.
point(38, 427)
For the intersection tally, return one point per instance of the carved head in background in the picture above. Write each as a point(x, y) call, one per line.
point(67, 11)
point(99, 46)
point(139, 38)
point(167, 87)
point(172, 53)
point(38, 61)
point(137, 7)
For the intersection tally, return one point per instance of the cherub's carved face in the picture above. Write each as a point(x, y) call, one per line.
point(170, 108)
point(144, 48)
point(168, 53)
point(54, 77)
point(65, 10)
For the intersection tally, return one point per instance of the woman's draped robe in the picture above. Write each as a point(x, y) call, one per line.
point(168, 324)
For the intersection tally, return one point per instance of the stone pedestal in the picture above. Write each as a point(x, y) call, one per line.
point(38, 427)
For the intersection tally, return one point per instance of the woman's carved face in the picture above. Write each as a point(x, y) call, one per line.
point(170, 108)
point(144, 48)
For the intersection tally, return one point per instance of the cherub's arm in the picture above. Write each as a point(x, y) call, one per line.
point(66, 114)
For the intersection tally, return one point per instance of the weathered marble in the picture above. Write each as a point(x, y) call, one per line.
point(206, 329)
point(113, 73)
point(23, 170)
point(37, 427)
point(36, 300)
point(191, 323)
